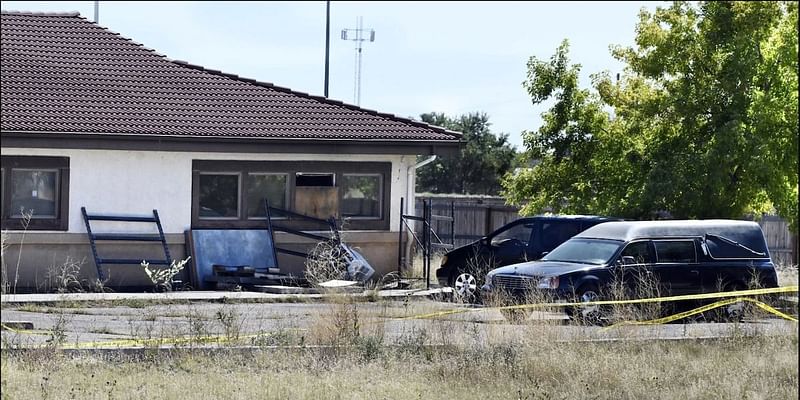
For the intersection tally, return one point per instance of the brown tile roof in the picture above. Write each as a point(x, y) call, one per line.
point(62, 73)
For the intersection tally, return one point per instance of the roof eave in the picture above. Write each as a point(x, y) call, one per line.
point(82, 140)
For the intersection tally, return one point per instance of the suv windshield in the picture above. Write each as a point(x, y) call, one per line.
point(584, 251)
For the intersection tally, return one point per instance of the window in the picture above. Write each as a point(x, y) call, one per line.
point(35, 192)
point(555, 233)
point(261, 186)
point(361, 196)
point(519, 232)
point(639, 253)
point(675, 251)
point(231, 194)
point(219, 196)
point(584, 251)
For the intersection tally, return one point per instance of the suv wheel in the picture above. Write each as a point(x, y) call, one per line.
point(465, 286)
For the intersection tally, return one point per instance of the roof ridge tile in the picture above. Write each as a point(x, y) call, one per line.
point(44, 13)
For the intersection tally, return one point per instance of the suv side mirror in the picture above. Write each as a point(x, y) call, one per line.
point(485, 241)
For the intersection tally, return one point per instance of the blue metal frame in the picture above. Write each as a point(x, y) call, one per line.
point(428, 234)
point(330, 223)
point(93, 238)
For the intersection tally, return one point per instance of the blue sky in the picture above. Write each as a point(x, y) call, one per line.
point(451, 57)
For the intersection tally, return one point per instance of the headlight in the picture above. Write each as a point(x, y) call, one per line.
point(488, 280)
point(444, 260)
point(549, 282)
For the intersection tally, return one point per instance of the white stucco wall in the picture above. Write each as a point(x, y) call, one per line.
point(136, 182)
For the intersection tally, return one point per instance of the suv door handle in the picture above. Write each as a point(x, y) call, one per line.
point(694, 271)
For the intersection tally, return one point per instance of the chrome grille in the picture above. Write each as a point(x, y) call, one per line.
point(514, 282)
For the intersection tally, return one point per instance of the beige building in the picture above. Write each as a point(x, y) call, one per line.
point(91, 119)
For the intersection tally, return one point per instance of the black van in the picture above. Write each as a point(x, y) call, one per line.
point(525, 239)
point(683, 257)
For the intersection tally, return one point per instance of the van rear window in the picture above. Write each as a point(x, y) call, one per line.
point(723, 247)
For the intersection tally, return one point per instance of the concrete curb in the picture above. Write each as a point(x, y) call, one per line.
point(210, 296)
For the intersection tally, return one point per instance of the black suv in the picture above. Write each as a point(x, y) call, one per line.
point(679, 257)
point(524, 239)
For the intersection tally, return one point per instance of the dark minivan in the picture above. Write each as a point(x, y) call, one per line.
point(682, 257)
point(525, 239)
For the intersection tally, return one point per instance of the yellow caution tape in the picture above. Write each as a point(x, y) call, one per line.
point(26, 331)
point(732, 297)
point(182, 340)
point(139, 342)
point(703, 309)
point(703, 296)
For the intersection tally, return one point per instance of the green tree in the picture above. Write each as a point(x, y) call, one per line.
point(478, 167)
point(702, 124)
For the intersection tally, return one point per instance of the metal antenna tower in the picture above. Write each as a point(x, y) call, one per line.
point(357, 35)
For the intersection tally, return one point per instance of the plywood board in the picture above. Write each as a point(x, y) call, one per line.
point(317, 201)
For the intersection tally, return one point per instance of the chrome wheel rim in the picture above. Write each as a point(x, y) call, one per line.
point(466, 285)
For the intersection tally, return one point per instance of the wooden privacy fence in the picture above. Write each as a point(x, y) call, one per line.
point(477, 216)
point(782, 244)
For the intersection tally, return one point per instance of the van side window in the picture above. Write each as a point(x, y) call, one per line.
point(520, 233)
point(555, 233)
point(639, 252)
point(675, 251)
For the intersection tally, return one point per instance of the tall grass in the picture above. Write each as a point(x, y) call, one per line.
point(744, 368)
point(7, 285)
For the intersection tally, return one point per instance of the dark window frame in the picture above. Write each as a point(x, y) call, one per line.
point(291, 168)
point(61, 164)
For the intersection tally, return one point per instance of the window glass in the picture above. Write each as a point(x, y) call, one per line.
point(555, 233)
point(219, 196)
point(675, 251)
point(520, 232)
point(585, 251)
point(35, 192)
point(361, 196)
point(265, 186)
point(639, 251)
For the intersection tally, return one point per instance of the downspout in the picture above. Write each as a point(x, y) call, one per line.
point(412, 185)
point(410, 190)
point(425, 162)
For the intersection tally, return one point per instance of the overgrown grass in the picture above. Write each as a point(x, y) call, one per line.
point(742, 368)
point(787, 275)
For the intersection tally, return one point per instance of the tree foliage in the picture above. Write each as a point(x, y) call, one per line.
point(702, 123)
point(478, 167)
